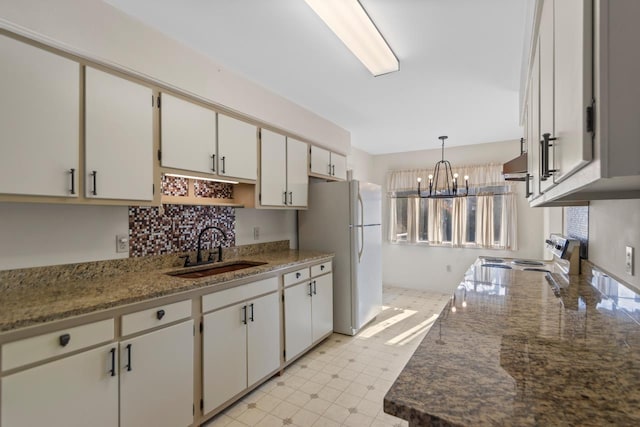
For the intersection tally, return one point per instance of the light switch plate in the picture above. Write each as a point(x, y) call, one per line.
point(629, 260)
point(122, 243)
point(256, 233)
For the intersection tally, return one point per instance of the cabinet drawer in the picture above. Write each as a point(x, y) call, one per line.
point(296, 276)
point(41, 347)
point(157, 316)
point(240, 293)
point(317, 270)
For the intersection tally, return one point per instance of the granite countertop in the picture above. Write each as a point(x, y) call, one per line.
point(511, 348)
point(33, 296)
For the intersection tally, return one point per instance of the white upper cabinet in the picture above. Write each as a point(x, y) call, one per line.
point(320, 161)
point(572, 32)
point(118, 138)
point(328, 164)
point(187, 135)
point(237, 148)
point(297, 175)
point(40, 121)
point(338, 166)
point(273, 169)
point(593, 121)
point(283, 171)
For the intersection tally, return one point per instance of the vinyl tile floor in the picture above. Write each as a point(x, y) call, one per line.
point(343, 380)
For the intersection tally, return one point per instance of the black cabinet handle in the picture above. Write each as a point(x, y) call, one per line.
point(213, 162)
point(329, 166)
point(94, 174)
point(72, 171)
point(112, 371)
point(322, 267)
point(160, 314)
point(527, 180)
point(244, 314)
point(546, 172)
point(223, 158)
point(311, 289)
point(251, 315)
point(284, 195)
point(291, 197)
point(298, 275)
point(64, 339)
point(128, 366)
point(333, 170)
point(315, 289)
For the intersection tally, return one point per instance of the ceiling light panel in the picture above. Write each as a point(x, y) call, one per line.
point(350, 22)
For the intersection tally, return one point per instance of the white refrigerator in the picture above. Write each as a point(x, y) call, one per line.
point(344, 218)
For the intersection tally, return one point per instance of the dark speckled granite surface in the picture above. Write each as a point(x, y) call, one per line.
point(36, 295)
point(513, 349)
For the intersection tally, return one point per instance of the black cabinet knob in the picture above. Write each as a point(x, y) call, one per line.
point(321, 267)
point(64, 339)
point(297, 275)
point(160, 314)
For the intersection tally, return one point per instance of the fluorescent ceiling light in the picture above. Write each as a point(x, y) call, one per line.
point(200, 178)
point(350, 22)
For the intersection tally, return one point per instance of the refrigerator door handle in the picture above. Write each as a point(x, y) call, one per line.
point(361, 249)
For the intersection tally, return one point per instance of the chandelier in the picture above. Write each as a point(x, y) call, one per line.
point(449, 186)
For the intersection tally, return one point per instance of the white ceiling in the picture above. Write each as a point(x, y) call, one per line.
point(459, 72)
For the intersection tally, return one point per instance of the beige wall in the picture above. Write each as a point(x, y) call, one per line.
point(361, 163)
point(273, 225)
point(438, 268)
point(100, 31)
point(613, 225)
point(33, 235)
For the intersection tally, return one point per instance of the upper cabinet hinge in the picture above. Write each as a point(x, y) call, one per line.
point(158, 101)
point(201, 327)
point(590, 117)
point(201, 404)
point(153, 189)
point(159, 155)
point(260, 197)
point(152, 100)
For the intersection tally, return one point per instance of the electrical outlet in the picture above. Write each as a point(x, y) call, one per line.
point(256, 233)
point(628, 265)
point(122, 243)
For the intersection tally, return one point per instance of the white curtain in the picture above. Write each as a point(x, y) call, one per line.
point(455, 212)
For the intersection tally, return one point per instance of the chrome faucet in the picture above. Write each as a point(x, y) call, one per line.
point(209, 260)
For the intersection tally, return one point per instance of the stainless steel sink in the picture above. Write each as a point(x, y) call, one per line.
point(212, 270)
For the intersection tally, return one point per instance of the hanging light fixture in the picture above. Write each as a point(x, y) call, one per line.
point(449, 187)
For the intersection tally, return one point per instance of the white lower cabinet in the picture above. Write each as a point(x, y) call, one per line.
point(77, 391)
point(240, 343)
point(156, 378)
point(308, 312)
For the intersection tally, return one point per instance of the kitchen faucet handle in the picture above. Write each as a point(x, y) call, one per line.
point(187, 261)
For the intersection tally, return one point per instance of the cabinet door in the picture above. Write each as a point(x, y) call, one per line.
point(573, 84)
point(297, 319)
point(263, 348)
point(534, 146)
point(322, 306)
point(224, 355)
point(238, 148)
point(76, 391)
point(320, 161)
point(188, 135)
point(119, 138)
point(545, 47)
point(156, 378)
point(297, 172)
point(40, 121)
point(338, 166)
point(273, 169)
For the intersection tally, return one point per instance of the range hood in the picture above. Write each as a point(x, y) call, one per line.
point(516, 169)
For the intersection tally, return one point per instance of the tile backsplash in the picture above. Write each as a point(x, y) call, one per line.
point(175, 228)
point(577, 223)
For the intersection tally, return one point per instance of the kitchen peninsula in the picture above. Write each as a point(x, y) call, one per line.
point(511, 348)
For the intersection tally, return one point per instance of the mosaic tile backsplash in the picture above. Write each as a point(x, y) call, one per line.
point(218, 190)
point(175, 228)
point(174, 186)
point(577, 219)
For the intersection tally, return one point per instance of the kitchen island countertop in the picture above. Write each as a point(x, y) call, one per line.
point(511, 348)
point(34, 296)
